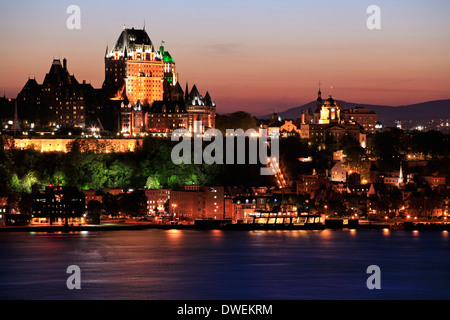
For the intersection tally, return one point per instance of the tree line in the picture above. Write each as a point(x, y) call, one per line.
point(150, 166)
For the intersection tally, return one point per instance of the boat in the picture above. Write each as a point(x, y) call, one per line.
point(264, 222)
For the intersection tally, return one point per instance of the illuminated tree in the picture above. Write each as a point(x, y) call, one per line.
point(153, 182)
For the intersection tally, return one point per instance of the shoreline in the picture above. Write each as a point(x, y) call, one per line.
point(227, 227)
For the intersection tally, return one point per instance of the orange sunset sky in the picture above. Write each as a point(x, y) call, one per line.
point(257, 56)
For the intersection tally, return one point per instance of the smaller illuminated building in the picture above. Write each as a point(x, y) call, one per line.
point(328, 121)
point(157, 200)
point(363, 116)
point(193, 112)
point(58, 205)
point(197, 202)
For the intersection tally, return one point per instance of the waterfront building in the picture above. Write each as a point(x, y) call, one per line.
point(197, 202)
point(157, 201)
point(58, 205)
point(92, 195)
point(246, 206)
point(4, 210)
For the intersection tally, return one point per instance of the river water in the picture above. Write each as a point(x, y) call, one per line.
point(225, 265)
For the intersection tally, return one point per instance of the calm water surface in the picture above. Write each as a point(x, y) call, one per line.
point(209, 265)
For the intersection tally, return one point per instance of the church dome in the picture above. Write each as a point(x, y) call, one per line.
point(329, 101)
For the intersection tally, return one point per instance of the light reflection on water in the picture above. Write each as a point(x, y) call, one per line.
point(188, 264)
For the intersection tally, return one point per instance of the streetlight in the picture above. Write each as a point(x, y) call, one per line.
point(174, 206)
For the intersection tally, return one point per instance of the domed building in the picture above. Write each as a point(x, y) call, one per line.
point(329, 122)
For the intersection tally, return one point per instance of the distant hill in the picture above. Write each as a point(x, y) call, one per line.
point(387, 115)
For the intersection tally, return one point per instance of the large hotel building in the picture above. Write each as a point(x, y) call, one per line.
point(140, 93)
point(133, 68)
point(145, 81)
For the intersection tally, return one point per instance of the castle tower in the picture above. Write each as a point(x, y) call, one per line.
point(319, 103)
point(134, 67)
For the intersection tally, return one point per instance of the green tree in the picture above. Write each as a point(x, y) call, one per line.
point(120, 174)
point(173, 182)
point(153, 182)
point(6, 167)
point(28, 181)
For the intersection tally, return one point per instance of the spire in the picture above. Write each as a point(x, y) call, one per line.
point(319, 101)
point(208, 100)
point(186, 93)
point(161, 48)
point(319, 94)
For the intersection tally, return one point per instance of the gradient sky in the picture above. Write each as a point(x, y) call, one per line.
point(253, 55)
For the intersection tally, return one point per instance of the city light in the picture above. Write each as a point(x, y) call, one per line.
point(121, 176)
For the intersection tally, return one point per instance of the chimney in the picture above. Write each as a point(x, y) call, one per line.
point(65, 64)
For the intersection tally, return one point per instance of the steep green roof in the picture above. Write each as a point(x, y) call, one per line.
point(167, 57)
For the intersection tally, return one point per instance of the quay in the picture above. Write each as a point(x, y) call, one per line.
point(310, 222)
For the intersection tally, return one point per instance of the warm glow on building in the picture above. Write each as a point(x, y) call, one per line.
point(63, 145)
point(135, 69)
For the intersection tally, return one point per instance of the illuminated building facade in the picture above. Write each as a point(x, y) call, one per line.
point(102, 145)
point(133, 68)
point(140, 94)
point(328, 121)
point(197, 202)
point(201, 110)
point(363, 116)
point(146, 83)
point(157, 200)
point(133, 118)
point(192, 112)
